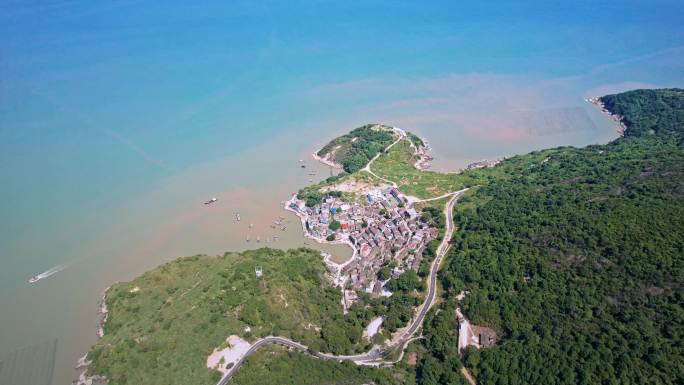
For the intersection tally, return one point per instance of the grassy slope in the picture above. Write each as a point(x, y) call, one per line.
point(163, 333)
point(397, 166)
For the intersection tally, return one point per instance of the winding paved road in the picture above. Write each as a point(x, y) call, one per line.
point(375, 353)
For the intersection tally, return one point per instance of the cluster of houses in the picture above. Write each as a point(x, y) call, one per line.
point(380, 227)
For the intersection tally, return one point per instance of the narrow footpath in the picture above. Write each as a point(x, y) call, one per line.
point(367, 168)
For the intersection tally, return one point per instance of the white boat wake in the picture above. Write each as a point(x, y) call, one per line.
point(47, 273)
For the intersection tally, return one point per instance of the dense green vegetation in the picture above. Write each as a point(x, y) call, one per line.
point(406, 282)
point(398, 310)
point(429, 254)
point(441, 363)
point(659, 112)
point(384, 273)
point(575, 258)
point(277, 366)
point(344, 334)
point(312, 195)
point(355, 149)
point(433, 216)
point(162, 325)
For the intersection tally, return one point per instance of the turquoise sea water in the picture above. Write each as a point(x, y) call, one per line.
point(117, 120)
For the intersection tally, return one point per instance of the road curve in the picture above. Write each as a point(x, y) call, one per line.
point(374, 353)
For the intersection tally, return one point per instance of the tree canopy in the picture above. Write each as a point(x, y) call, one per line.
point(355, 149)
point(659, 112)
point(575, 257)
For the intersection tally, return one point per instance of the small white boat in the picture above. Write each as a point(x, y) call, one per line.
point(46, 273)
point(210, 201)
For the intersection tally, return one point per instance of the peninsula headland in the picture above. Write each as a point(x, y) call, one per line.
point(566, 262)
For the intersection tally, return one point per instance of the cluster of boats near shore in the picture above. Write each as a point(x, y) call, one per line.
point(278, 223)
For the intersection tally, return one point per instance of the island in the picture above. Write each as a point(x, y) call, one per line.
point(561, 266)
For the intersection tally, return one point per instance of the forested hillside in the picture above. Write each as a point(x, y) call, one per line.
point(576, 258)
point(649, 111)
point(353, 150)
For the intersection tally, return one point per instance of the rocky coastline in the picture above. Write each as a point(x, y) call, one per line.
point(83, 362)
point(598, 102)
